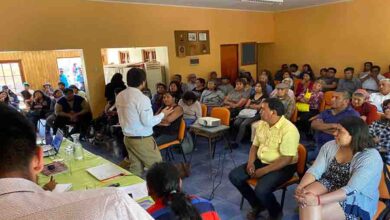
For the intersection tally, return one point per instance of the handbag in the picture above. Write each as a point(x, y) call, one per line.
point(247, 113)
point(304, 107)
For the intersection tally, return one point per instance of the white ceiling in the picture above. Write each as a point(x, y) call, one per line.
point(234, 4)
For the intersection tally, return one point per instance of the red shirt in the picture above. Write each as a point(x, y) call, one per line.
point(369, 111)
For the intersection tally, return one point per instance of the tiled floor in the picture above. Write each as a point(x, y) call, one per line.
point(227, 198)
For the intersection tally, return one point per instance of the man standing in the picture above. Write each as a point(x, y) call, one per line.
point(272, 159)
point(349, 83)
point(136, 119)
point(326, 122)
point(21, 160)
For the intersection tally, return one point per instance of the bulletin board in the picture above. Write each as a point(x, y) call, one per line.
point(249, 53)
point(192, 42)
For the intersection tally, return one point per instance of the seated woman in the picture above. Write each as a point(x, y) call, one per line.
point(313, 104)
point(380, 131)
point(175, 89)
point(157, 100)
point(241, 123)
point(5, 99)
point(360, 102)
point(13, 98)
point(305, 84)
point(191, 108)
point(212, 97)
point(199, 87)
point(40, 107)
point(237, 98)
point(343, 181)
point(168, 128)
point(165, 188)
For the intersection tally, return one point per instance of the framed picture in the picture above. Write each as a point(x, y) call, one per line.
point(202, 36)
point(191, 36)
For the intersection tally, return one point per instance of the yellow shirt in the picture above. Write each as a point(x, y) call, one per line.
point(282, 139)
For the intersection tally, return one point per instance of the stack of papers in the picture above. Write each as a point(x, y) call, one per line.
point(105, 171)
point(136, 191)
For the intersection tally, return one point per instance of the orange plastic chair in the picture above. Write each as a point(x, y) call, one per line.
point(178, 141)
point(294, 116)
point(204, 110)
point(221, 113)
point(383, 194)
point(301, 168)
point(326, 101)
point(296, 82)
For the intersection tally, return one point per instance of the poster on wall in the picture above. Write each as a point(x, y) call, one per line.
point(192, 42)
point(70, 71)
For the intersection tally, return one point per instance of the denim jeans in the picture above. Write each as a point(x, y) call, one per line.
point(262, 195)
point(241, 125)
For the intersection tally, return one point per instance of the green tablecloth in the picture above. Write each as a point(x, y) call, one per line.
point(79, 177)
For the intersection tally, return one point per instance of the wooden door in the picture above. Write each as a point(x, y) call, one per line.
point(229, 61)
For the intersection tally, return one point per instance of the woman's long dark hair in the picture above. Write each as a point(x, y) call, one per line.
point(358, 129)
point(117, 79)
point(6, 100)
point(164, 180)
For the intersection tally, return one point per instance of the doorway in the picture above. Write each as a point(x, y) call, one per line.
point(229, 61)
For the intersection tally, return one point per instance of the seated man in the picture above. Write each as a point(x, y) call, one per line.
point(383, 94)
point(272, 159)
point(21, 198)
point(326, 122)
point(349, 83)
point(72, 109)
point(330, 80)
point(27, 94)
point(370, 80)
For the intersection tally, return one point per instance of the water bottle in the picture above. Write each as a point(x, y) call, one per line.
point(78, 148)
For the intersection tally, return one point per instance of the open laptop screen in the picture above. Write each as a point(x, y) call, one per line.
point(57, 140)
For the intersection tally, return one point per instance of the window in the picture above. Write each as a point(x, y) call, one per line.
point(11, 75)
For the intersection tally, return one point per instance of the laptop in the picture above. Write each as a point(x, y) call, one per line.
point(54, 147)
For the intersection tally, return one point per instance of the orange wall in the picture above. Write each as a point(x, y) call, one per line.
point(340, 35)
point(65, 24)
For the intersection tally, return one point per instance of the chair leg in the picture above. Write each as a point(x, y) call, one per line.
point(167, 156)
point(171, 153)
point(182, 152)
point(242, 202)
point(214, 144)
point(283, 195)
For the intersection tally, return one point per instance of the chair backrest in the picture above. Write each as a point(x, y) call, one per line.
point(182, 130)
point(326, 101)
point(221, 113)
point(301, 164)
point(296, 82)
point(204, 110)
point(294, 116)
point(383, 190)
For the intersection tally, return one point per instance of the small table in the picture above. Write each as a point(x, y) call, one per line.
point(211, 133)
point(79, 177)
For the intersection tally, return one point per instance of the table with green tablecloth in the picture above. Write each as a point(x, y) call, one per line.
point(79, 177)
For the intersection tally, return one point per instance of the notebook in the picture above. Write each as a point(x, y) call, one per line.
point(105, 171)
point(62, 187)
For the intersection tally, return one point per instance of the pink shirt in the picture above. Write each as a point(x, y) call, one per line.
point(23, 199)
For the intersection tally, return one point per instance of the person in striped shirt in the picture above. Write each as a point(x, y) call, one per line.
point(164, 186)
